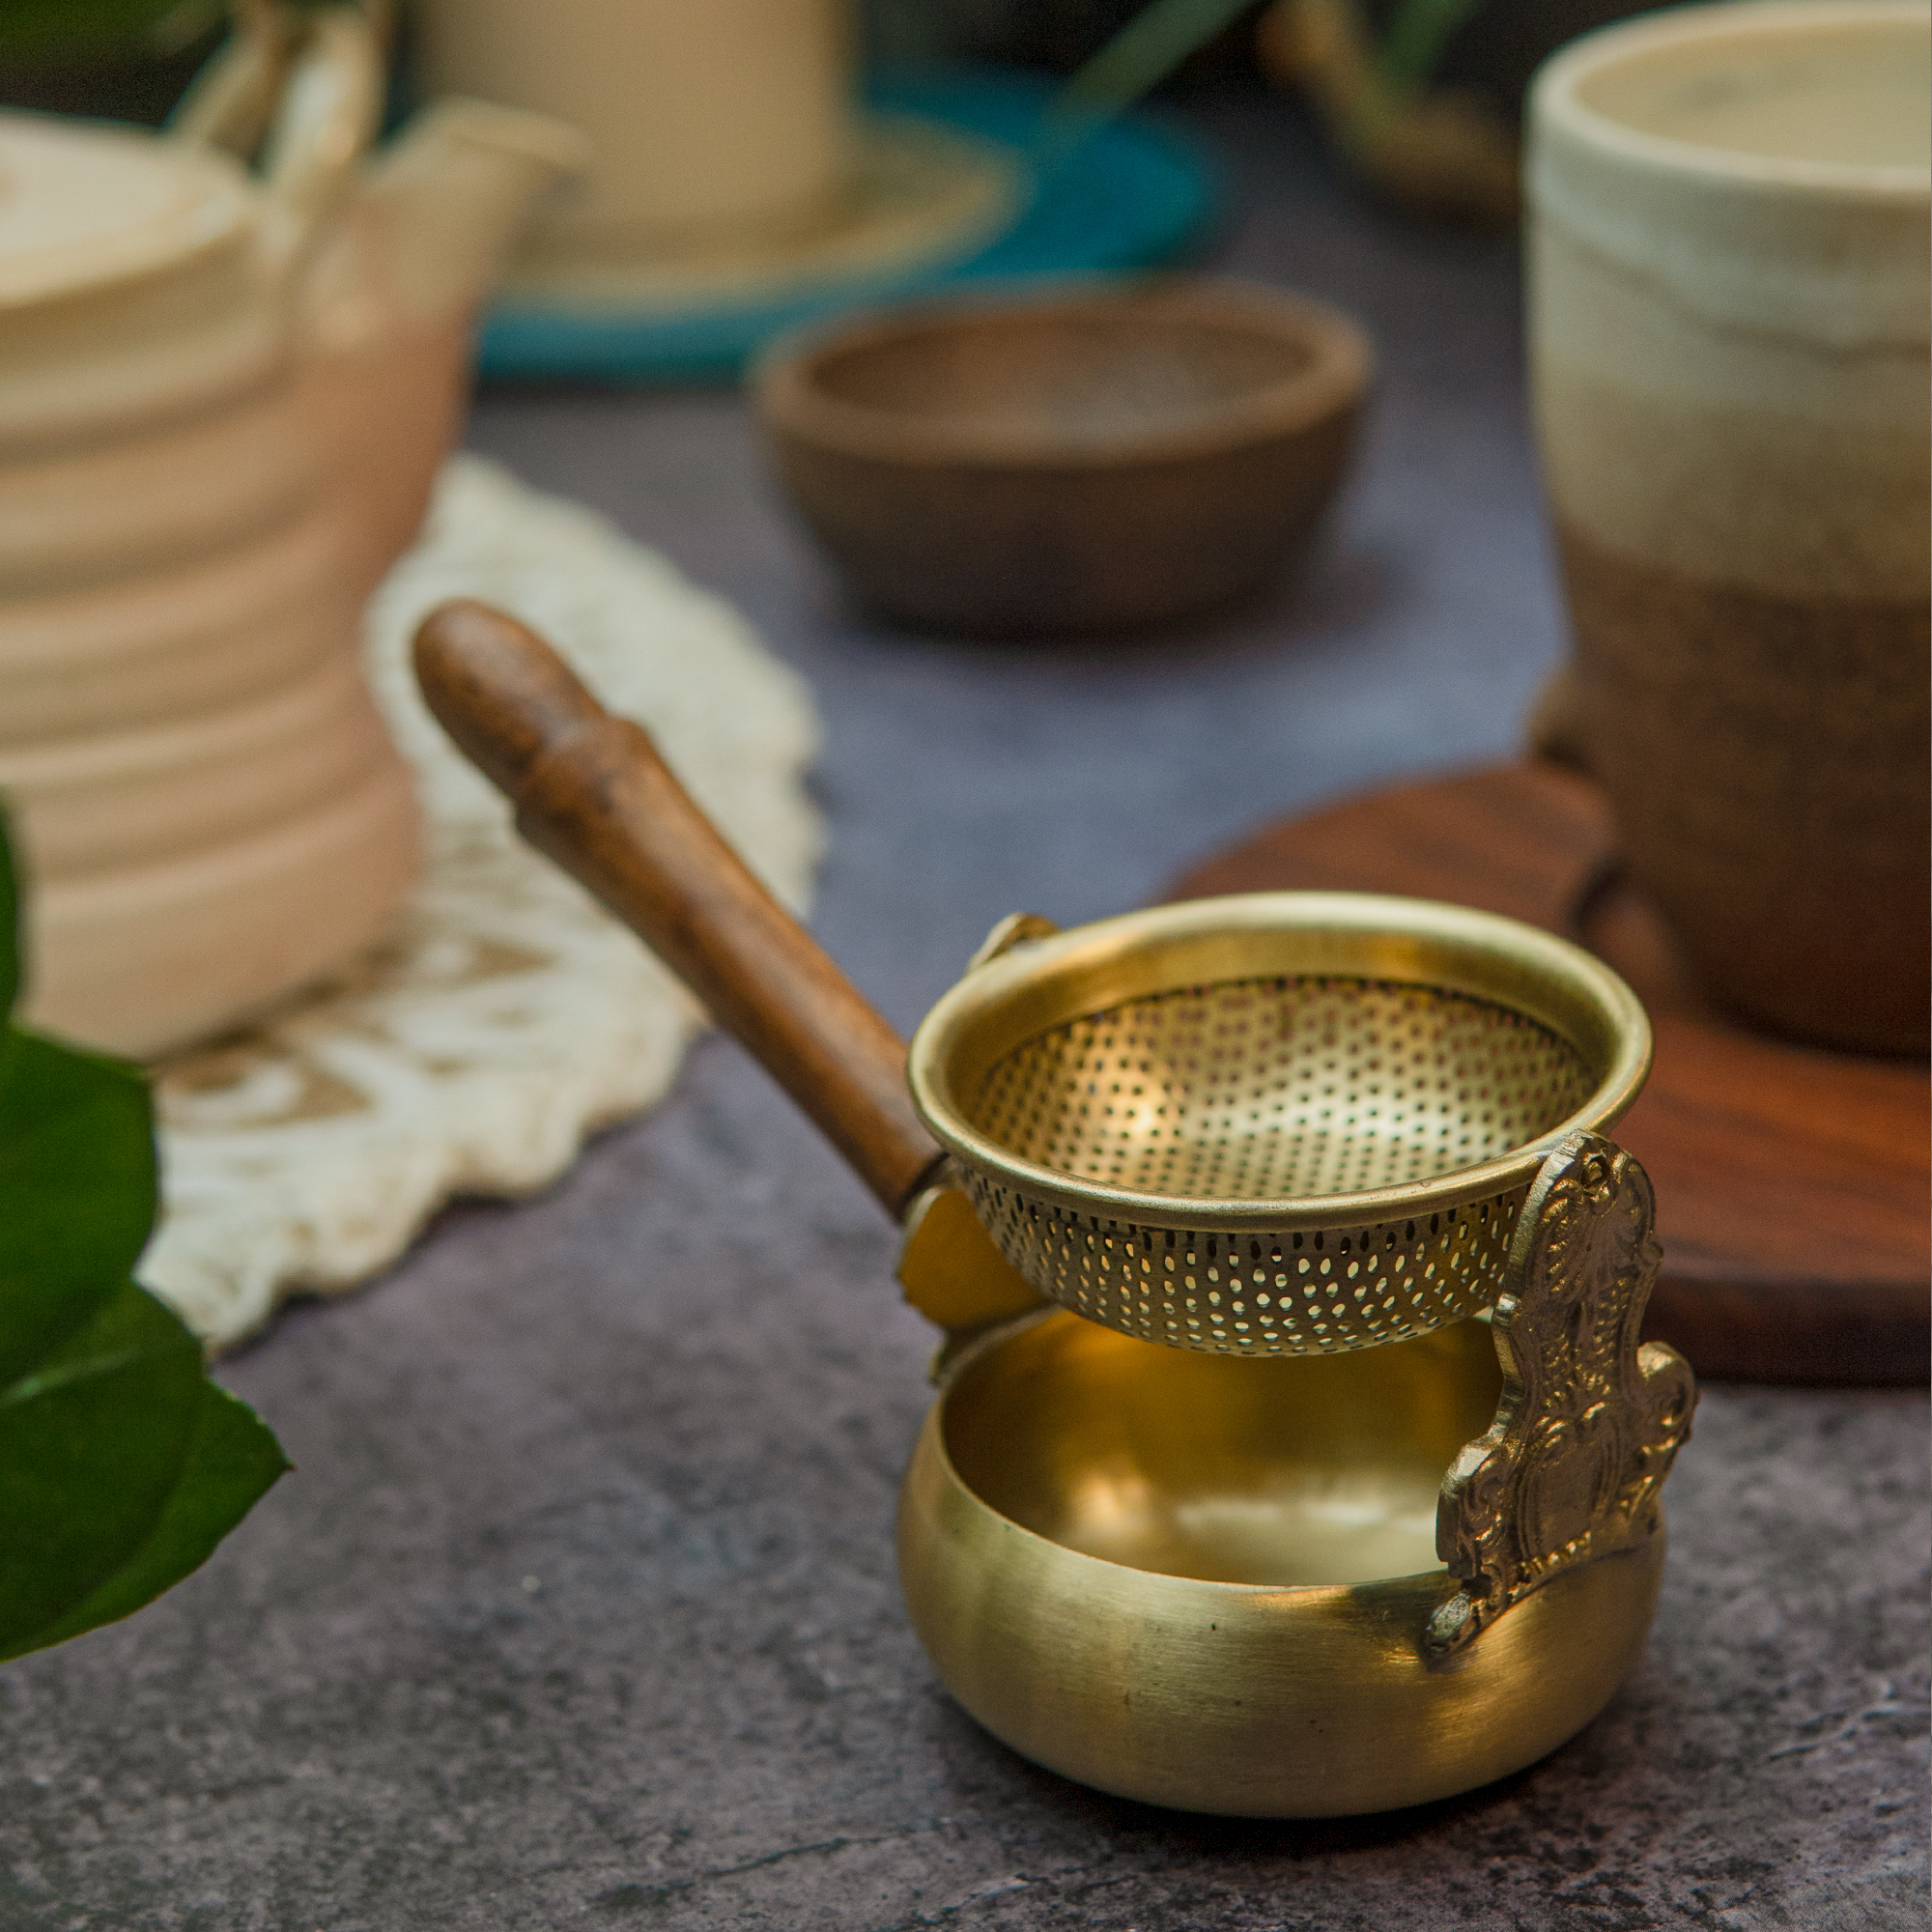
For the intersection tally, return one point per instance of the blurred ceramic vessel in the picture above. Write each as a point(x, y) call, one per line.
point(222, 404)
point(1084, 460)
point(1729, 297)
point(728, 119)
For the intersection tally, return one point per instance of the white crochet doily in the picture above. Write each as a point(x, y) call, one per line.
point(507, 1016)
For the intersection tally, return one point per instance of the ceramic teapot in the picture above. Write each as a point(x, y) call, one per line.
point(223, 398)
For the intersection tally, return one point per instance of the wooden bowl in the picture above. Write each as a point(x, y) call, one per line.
point(1098, 460)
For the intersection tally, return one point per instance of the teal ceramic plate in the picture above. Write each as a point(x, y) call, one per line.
point(1137, 194)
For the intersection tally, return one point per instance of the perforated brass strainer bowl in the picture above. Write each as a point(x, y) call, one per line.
point(1277, 1123)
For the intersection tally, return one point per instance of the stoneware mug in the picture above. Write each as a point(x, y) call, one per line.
point(1728, 346)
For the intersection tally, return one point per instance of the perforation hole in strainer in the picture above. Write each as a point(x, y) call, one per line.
point(1281, 1087)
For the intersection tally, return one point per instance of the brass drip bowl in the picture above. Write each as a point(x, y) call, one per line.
point(1202, 1582)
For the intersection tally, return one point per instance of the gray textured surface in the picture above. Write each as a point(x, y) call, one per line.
point(580, 1607)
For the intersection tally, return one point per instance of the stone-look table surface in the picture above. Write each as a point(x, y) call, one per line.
point(580, 1607)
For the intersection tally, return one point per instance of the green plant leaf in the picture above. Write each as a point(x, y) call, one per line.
point(78, 1190)
point(76, 30)
point(10, 925)
point(1417, 37)
point(121, 1467)
point(232, 1459)
point(91, 1442)
point(78, 1187)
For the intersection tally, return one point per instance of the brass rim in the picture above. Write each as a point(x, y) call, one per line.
point(1408, 942)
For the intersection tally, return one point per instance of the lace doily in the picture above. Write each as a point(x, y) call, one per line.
point(507, 1016)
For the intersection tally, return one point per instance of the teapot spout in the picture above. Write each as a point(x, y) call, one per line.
point(387, 296)
point(436, 215)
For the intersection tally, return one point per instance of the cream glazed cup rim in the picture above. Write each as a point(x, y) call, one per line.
point(1557, 105)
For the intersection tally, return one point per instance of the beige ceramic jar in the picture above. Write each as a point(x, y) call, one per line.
point(728, 119)
point(222, 403)
point(1729, 299)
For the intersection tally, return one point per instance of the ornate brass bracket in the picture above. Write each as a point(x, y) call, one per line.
point(1590, 1420)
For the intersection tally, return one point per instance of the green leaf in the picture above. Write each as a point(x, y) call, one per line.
point(10, 924)
point(232, 1459)
point(78, 1190)
point(74, 32)
point(1417, 37)
point(121, 1467)
point(91, 1442)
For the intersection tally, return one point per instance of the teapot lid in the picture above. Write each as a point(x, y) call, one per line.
point(83, 207)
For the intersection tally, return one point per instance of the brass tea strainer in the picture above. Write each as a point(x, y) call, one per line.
point(1276, 1124)
point(1335, 1547)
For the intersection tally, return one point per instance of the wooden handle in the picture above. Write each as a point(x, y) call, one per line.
point(591, 792)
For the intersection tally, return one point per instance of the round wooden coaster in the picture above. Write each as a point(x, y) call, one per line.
point(1792, 1181)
